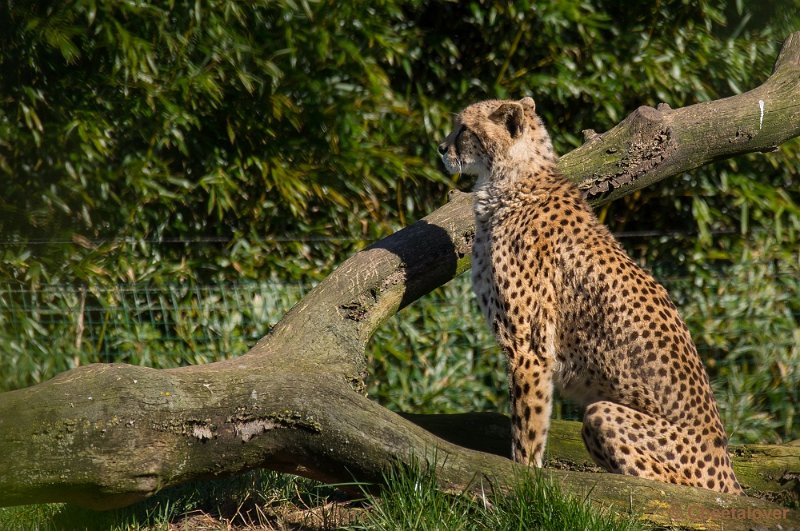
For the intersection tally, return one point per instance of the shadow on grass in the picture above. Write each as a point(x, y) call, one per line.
point(253, 499)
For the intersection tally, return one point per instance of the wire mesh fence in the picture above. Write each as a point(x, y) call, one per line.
point(52, 328)
point(169, 325)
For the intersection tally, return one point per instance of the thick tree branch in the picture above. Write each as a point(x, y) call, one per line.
point(109, 435)
point(652, 144)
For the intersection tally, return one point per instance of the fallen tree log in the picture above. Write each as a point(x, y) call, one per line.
point(771, 471)
point(106, 436)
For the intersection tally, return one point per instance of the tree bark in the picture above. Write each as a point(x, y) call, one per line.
point(770, 471)
point(652, 144)
point(106, 436)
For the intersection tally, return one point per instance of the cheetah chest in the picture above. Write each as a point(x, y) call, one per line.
point(511, 282)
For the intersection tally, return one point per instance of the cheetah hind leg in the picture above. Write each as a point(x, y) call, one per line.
point(625, 441)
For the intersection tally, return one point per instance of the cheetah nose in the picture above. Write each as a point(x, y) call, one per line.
point(442, 148)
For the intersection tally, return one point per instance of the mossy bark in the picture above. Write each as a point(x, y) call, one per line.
point(108, 435)
point(770, 472)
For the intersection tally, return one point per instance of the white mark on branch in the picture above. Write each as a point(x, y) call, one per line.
point(79, 326)
point(202, 432)
point(761, 118)
point(248, 430)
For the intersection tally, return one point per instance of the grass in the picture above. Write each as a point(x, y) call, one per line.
point(408, 499)
point(411, 499)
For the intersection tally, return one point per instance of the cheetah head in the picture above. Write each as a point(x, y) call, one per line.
point(492, 133)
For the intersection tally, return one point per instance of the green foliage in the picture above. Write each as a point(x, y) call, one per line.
point(438, 356)
point(739, 290)
point(160, 327)
point(128, 123)
point(745, 317)
point(125, 125)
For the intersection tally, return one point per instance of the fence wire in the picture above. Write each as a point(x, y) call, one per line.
point(165, 325)
point(57, 327)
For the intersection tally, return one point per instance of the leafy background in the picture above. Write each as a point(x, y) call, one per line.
point(176, 174)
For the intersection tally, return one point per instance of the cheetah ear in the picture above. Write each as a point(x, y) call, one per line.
point(528, 104)
point(511, 116)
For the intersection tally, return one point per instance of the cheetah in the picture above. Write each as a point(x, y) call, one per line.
point(573, 312)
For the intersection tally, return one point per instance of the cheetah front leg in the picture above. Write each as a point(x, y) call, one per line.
point(531, 392)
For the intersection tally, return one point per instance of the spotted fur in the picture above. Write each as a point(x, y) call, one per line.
point(571, 310)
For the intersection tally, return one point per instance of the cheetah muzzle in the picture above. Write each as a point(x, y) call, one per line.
point(571, 310)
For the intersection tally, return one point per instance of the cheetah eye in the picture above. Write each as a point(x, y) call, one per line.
point(465, 135)
point(457, 140)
